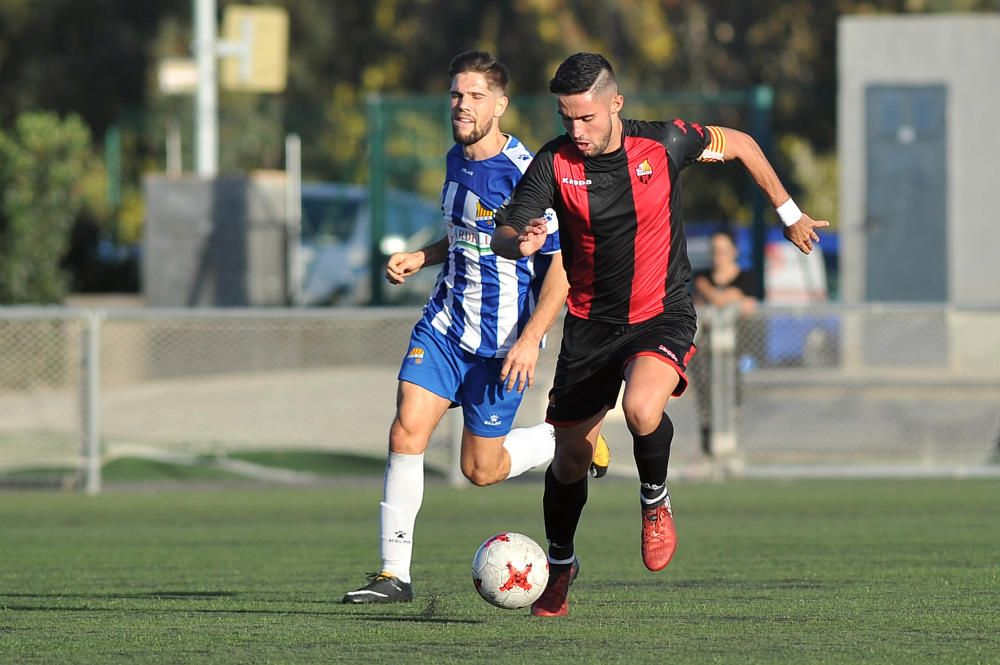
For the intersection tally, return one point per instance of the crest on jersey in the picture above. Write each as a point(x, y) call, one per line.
point(484, 214)
point(644, 171)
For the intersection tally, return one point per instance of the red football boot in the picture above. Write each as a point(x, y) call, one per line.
point(554, 601)
point(659, 540)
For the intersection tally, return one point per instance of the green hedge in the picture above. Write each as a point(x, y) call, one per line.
point(42, 162)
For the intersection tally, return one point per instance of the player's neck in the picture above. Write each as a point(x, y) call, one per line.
point(616, 135)
point(486, 147)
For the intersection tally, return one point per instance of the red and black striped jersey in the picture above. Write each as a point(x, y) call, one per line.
point(620, 220)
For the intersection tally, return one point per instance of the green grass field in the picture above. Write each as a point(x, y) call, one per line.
point(766, 572)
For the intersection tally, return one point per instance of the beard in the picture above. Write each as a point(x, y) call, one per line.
point(474, 135)
point(600, 145)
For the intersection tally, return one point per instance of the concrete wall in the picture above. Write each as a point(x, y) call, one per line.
point(218, 242)
point(961, 52)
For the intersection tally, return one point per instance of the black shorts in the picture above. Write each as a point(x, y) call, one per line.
point(594, 354)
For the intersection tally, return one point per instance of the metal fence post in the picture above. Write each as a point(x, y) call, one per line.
point(722, 333)
point(456, 425)
point(293, 219)
point(90, 401)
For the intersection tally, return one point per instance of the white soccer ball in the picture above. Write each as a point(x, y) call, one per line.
point(510, 570)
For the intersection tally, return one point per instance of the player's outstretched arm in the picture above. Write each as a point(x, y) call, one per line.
point(512, 244)
point(800, 228)
point(404, 264)
point(519, 365)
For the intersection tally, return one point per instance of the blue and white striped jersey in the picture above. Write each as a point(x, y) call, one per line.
point(482, 301)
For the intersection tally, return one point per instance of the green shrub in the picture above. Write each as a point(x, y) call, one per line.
point(41, 165)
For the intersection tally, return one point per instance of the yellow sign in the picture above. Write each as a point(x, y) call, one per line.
point(257, 45)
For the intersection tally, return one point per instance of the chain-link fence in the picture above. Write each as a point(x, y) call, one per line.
point(861, 387)
point(903, 389)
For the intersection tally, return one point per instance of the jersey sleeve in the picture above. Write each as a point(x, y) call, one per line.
point(533, 196)
point(690, 142)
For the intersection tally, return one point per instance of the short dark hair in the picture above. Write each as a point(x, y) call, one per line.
point(484, 63)
point(579, 72)
point(727, 231)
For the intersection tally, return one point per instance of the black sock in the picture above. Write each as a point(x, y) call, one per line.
point(562, 506)
point(652, 457)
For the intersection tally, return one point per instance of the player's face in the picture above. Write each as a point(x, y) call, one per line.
point(591, 121)
point(475, 107)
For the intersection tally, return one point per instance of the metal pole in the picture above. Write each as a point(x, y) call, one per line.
point(293, 217)
point(175, 163)
point(760, 101)
point(206, 100)
point(90, 387)
point(455, 427)
point(723, 377)
point(113, 163)
point(376, 194)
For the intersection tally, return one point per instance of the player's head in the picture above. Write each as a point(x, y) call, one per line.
point(478, 95)
point(589, 102)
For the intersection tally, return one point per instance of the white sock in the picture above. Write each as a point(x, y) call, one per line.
point(529, 447)
point(403, 494)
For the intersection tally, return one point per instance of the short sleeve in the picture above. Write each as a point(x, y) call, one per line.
point(534, 195)
point(690, 142)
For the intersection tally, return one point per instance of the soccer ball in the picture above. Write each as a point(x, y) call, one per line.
point(510, 570)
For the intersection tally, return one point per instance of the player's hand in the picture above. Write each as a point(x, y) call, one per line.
point(803, 234)
point(401, 265)
point(531, 239)
point(518, 369)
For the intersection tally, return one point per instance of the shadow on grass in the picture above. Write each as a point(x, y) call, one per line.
point(427, 615)
point(395, 618)
point(400, 618)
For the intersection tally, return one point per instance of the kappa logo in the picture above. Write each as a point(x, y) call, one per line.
point(644, 171)
point(416, 354)
point(468, 172)
point(493, 420)
point(577, 183)
point(399, 536)
point(670, 354)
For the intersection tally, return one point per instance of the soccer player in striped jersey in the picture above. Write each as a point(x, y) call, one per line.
point(477, 344)
point(614, 182)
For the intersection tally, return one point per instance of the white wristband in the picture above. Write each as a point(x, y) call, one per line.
point(789, 212)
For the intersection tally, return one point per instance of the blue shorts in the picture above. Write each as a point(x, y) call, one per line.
point(439, 365)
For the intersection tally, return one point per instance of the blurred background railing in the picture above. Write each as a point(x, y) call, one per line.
point(818, 389)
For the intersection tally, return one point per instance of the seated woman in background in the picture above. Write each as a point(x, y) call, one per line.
point(723, 285)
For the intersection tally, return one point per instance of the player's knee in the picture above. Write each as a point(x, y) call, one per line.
point(481, 475)
point(572, 462)
point(406, 440)
point(642, 417)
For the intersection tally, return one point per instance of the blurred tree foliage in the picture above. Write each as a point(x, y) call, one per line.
point(42, 163)
point(98, 59)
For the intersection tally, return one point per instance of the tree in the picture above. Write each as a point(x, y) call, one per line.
point(41, 163)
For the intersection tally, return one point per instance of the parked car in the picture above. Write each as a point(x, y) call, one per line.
point(335, 249)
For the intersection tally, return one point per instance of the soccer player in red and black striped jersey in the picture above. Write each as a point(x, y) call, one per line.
point(614, 184)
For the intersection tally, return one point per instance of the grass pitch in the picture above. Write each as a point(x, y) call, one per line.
point(766, 572)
